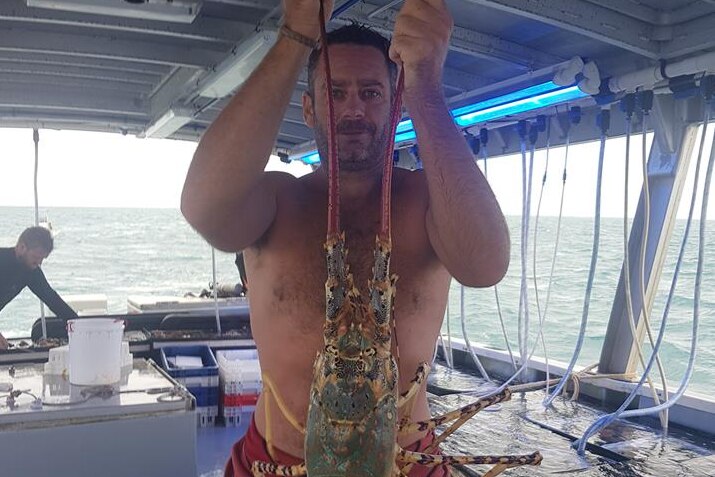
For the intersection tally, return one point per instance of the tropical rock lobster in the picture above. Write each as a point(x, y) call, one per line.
point(352, 424)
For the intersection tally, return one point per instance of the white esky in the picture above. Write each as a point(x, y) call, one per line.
point(86, 169)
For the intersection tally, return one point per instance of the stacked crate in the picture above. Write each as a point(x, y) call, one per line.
point(240, 384)
point(196, 369)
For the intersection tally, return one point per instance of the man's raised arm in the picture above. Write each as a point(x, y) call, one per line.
point(227, 197)
point(464, 222)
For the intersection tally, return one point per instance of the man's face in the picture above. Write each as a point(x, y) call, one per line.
point(31, 257)
point(361, 98)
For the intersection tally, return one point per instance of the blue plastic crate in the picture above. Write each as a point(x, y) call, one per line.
point(205, 396)
point(209, 368)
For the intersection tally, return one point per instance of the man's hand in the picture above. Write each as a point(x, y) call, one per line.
point(302, 16)
point(420, 42)
point(3, 342)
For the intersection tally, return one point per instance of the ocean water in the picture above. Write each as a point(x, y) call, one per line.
point(124, 252)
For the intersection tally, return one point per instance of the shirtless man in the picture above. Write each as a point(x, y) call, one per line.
point(446, 221)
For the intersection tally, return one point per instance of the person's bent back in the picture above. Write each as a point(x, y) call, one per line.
point(20, 267)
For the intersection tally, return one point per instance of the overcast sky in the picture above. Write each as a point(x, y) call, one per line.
point(109, 170)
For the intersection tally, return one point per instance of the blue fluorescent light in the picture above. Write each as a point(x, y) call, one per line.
point(521, 101)
point(405, 136)
point(520, 106)
point(312, 158)
point(507, 98)
point(404, 125)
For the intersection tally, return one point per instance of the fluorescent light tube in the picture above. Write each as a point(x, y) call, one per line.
point(313, 158)
point(179, 11)
point(233, 71)
point(170, 122)
point(515, 107)
point(521, 101)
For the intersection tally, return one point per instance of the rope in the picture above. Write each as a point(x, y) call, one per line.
point(621, 411)
point(575, 378)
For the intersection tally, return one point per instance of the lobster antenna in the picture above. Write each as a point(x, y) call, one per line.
point(333, 172)
point(395, 115)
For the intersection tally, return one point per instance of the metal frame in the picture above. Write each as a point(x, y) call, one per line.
point(586, 18)
point(165, 60)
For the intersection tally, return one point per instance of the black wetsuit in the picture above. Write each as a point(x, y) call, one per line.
point(14, 276)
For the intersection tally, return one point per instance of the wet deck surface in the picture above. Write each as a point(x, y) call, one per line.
point(513, 428)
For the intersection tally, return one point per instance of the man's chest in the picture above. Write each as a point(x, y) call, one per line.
point(296, 242)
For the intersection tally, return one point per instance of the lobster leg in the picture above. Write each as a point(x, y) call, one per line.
point(420, 376)
point(469, 409)
point(407, 399)
point(397, 472)
point(442, 437)
point(260, 469)
point(500, 462)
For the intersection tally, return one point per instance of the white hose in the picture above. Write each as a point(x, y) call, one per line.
point(558, 225)
point(474, 356)
point(626, 261)
point(591, 275)
point(485, 156)
point(644, 246)
point(621, 412)
point(448, 356)
point(542, 317)
point(523, 315)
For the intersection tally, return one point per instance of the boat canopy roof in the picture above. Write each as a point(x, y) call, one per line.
point(166, 68)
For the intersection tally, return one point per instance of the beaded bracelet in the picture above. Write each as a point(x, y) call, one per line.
point(295, 36)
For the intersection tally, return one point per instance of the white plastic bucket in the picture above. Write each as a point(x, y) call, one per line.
point(95, 351)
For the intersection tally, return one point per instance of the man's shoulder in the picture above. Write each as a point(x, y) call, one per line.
point(37, 275)
point(281, 181)
point(279, 176)
point(289, 186)
point(7, 253)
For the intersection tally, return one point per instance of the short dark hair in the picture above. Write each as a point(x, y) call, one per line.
point(353, 34)
point(37, 237)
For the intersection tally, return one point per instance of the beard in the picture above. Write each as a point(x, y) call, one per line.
point(360, 145)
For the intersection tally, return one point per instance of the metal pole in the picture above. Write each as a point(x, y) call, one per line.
point(36, 140)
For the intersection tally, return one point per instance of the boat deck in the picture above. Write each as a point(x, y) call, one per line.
point(625, 449)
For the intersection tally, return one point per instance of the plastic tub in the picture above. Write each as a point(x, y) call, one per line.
point(95, 351)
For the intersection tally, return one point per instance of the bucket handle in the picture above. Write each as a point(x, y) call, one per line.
point(70, 324)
